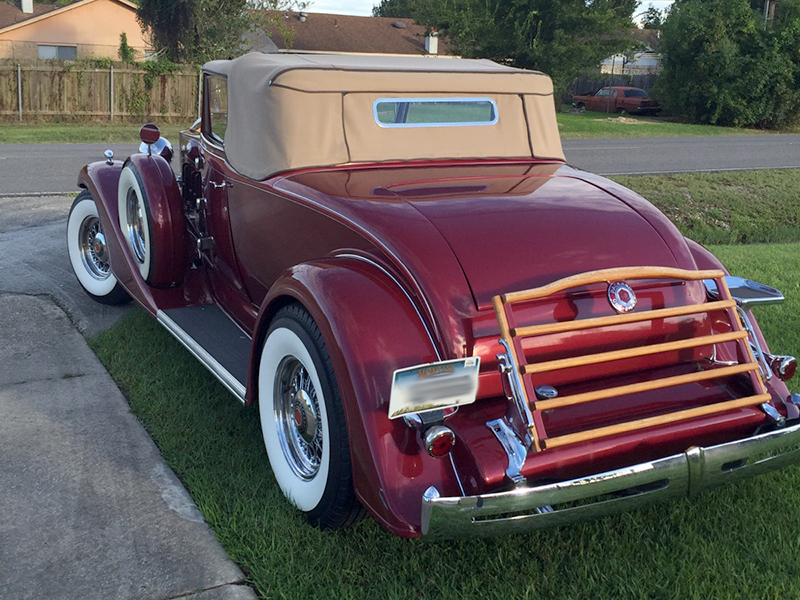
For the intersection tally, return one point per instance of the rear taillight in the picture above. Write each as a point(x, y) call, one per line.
point(439, 440)
point(783, 366)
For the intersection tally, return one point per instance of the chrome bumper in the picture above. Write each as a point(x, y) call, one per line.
point(691, 472)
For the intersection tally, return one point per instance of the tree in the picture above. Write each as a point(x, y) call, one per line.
point(721, 66)
point(564, 39)
point(397, 9)
point(195, 31)
point(653, 18)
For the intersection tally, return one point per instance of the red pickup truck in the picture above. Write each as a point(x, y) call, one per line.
point(618, 99)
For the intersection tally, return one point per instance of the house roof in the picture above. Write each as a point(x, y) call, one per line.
point(347, 33)
point(11, 15)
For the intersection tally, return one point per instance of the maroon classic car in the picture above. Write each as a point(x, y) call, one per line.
point(618, 99)
point(441, 322)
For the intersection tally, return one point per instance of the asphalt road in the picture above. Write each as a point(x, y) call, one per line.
point(36, 169)
point(636, 156)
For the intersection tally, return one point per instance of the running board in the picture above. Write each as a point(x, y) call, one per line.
point(215, 340)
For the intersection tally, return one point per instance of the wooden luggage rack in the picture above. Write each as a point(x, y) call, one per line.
point(513, 337)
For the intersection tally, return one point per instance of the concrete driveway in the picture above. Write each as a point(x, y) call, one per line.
point(88, 508)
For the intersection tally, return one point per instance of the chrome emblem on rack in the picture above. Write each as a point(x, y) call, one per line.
point(621, 297)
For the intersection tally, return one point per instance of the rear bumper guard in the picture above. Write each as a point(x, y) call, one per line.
point(530, 508)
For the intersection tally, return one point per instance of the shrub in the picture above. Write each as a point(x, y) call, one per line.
point(722, 66)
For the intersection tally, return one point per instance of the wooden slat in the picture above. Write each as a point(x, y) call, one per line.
point(661, 313)
point(502, 320)
point(682, 415)
point(590, 277)
point(593, 359)
point(645, 386)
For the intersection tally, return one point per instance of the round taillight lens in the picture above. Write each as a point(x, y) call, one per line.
point(787, 367)
point(439, 440)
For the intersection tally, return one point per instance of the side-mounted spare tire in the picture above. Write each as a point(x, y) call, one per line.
point(303, 421)
point(88, 252)
point(151, 220)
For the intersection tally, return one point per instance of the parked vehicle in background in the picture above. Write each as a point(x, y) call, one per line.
point(440, 321)
point(618, 99)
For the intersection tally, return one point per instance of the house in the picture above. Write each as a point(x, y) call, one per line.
point(645, 61)
point(642, 63)
point(317, 32)
point(82, 29)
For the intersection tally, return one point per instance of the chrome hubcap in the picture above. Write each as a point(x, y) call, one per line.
point(297, 418)
point(135, 214)
point(94, 253)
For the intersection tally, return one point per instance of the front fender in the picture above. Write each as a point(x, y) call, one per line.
point(371, 328)
point(101, 179)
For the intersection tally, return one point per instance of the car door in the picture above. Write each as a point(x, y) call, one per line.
point(599, 100)
point(216, 245)
point(614, 104)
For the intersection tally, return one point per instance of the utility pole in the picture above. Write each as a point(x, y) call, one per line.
point(769, 11)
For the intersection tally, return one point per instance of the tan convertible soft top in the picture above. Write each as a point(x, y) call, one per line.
point(290, 111)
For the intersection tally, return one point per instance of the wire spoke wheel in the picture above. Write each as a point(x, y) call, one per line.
point(298, 417)
point(88, 252)
point(136, 227)
point(93, 248)
point(303, 421)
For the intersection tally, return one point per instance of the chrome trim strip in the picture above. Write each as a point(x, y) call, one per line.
point(209, 362)
point(763, 365)
point(688, 473)
point(509, 368)
point(404, 100)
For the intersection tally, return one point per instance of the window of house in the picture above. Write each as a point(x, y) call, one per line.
point(48, 52)
point(434, 112)
point(217, 91)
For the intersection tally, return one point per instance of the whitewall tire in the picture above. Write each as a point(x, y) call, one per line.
point(134, 219)
point(302, 421)
point(88, 252)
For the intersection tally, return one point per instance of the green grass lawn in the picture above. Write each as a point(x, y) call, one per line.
point(44, 133)
point(601, 125)
point(729, 207)
point(741, 541)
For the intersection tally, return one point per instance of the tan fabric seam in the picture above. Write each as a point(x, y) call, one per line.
point(388, 91)
point(344, 132)
point(527, 121)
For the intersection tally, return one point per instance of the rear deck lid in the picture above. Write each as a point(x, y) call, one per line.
point(543, 229)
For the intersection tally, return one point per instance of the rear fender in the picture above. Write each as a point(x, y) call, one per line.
point(370, 328)
point(706, 260)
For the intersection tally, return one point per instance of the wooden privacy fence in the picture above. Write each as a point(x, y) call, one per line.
point(76, 92)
